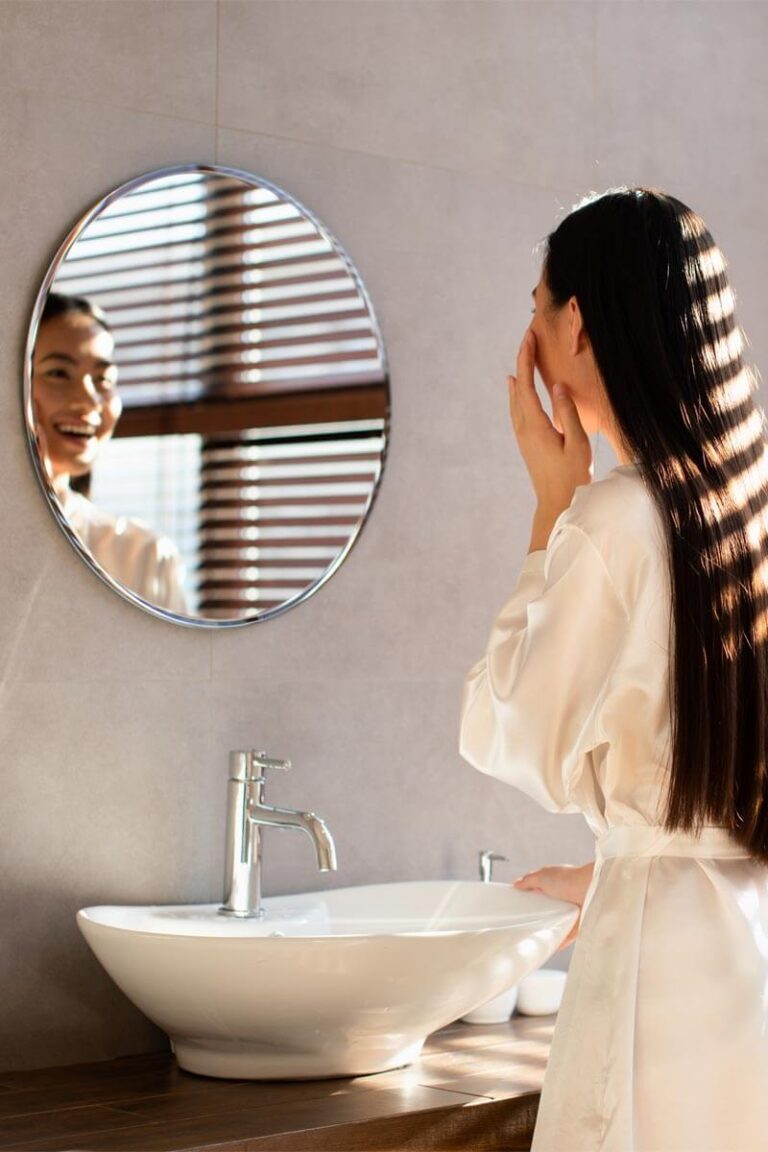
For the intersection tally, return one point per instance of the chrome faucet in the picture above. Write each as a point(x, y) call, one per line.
point(487, 858)
point(246, 814)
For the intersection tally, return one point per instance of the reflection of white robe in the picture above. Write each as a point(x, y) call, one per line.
point(661, 1041)
point(129, 552)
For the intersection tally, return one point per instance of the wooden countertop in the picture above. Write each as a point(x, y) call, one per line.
point(474, 1087)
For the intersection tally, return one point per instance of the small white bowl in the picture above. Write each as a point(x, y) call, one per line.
point(495, 1011)
point(541, 993)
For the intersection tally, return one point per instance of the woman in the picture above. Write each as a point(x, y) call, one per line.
point(626, 678)
point(76, 407)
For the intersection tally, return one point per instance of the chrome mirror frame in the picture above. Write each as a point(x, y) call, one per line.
point(40, 300)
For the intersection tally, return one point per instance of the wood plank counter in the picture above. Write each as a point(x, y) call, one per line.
point(474, 1087)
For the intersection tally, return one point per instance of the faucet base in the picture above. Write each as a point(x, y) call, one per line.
point(259, 914)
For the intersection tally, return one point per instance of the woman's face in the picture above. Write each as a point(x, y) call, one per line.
point(564, 355)
point(74, 393)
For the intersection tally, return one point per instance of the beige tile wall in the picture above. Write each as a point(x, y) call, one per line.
point(439, 141)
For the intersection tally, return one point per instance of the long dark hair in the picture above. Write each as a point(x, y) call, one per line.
point(60, 304)
point(652, 288)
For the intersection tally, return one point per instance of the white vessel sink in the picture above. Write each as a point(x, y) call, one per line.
point(341, 982)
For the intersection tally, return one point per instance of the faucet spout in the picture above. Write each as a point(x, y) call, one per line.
point(310, 822)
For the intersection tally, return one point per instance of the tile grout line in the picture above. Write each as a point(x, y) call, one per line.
point(385, 157)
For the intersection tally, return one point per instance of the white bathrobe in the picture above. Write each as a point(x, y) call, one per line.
point(661, 1041)
point(130, 552)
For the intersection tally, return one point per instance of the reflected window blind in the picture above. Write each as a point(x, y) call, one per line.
point(214, 287)
point(278, 507)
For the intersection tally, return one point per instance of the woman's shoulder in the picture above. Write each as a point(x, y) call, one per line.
point(130, 532)
point(621, 502)
point(622, 520)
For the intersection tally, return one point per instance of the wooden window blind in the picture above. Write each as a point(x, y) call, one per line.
point(279, 507)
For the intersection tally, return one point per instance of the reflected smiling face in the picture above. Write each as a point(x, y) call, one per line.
point(74, 390)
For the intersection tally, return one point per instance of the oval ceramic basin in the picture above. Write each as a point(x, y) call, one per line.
point(342, 982)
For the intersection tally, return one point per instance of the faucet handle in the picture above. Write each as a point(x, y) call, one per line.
point(261, 761)
point(250, 765)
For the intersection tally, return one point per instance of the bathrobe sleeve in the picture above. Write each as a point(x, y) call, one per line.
point(530, 709)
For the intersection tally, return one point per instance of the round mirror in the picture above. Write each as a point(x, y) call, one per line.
point(206, 395)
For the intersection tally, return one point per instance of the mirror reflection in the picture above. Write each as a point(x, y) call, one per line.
point(206, 395)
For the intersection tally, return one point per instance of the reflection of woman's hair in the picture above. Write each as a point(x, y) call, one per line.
point(657, 306)
point(59, 304)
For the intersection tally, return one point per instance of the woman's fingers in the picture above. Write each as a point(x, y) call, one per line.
point(521, 385)
point(530, 875)
point(527, 881)
point(524, 404)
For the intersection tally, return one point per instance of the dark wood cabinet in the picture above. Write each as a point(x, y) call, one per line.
point(474, 1087)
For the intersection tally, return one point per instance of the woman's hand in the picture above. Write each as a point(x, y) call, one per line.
point(558, 456)
point(567, 882)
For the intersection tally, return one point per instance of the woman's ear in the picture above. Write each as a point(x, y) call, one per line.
point(577, 336)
